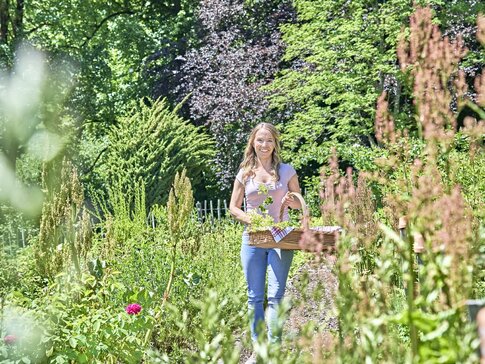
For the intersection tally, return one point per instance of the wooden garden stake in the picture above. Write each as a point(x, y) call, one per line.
point(411, 287)
point(481, 333)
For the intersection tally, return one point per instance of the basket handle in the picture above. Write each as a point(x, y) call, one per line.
point(305, 220)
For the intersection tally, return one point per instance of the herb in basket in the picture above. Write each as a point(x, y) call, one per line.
point(262, 220)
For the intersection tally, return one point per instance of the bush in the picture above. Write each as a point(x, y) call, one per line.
point(152, 145)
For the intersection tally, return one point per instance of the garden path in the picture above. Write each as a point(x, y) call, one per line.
point(311, 291)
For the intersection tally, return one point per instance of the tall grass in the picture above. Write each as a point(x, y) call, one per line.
point(389, 307)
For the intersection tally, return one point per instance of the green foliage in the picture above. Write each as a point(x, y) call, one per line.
point(429, 181)
point(81, 320)
point(30, 127)
point(342, 54)
point(180, 205)
point(113, 45)
point(64, 237)
point(213, 266)
point(387, 307)
point(113, 49)
point(203, 258)
point(260, 219)
point(213, 332)
point(8, 275)
point(152, 145)
point(470, 175)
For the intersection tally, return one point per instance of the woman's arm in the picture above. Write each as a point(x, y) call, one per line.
point(236, 202)
point(293, 186)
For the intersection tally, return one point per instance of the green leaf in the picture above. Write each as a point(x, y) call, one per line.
point(73, 342)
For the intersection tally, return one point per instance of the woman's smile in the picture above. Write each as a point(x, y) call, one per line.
point(264, 143)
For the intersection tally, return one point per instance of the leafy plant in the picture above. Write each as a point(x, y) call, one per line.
point(260, 219)
point(65, 236)
point(415, 181)
point(179, 207)
point(152, 145)
point(81, 320)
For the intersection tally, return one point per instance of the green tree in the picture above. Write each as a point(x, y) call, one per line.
point(152, 145)
point(112, 45)
point(340, 56)
point(110, 48)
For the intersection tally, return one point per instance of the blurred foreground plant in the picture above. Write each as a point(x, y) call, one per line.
point(30, 124)
point(78, 319)
point(417, 179)
point(65, 229)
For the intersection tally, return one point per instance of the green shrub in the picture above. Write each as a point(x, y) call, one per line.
point(152, 145)
point(82, 320)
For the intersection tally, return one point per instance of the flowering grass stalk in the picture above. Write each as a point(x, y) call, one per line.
point(417, 179)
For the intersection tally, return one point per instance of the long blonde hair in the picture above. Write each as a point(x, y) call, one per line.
point(249, 162)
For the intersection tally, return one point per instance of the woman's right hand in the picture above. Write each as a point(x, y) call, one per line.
point(247, 219)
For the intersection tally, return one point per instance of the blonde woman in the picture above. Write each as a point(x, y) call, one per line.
point(262, 165)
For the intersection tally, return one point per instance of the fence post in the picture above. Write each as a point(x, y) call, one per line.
point(218, 209)
point(225, 207)
point(205, 210)
point(198, 206)
point(212, 212)
point(23, 237)
point(481, 333)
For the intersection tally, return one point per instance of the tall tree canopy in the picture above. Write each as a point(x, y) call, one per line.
point(325, 61)
point(239, 51)
point(341, 55)
point(108, 48)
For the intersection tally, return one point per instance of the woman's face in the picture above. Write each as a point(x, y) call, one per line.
point(264, 144)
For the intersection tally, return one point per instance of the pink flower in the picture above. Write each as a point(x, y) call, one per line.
point(10, 339)
point(133, 309)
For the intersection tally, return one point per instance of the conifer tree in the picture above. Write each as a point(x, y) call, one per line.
point(152, 145)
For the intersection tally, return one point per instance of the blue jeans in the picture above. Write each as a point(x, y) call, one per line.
point(256, 262)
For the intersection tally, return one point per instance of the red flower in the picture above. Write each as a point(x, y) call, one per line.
point(10, 339)
point(133, 309)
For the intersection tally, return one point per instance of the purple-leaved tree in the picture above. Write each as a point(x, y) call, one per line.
point(239, 51)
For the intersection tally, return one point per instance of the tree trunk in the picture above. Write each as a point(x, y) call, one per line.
point(4, 18)
point(18, 21)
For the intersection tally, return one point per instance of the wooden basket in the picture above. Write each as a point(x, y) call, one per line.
point(264, 238)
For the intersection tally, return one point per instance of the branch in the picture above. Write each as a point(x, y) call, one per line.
point(98, 26)
point(476, 108)
point(41, 25)
point(95, 161)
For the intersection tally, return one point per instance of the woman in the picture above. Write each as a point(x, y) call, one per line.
point(262, 165)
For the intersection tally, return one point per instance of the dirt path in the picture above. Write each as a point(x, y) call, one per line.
point(311, 291)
